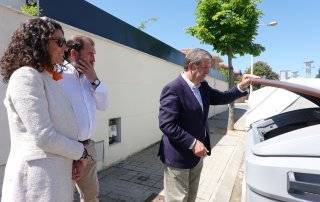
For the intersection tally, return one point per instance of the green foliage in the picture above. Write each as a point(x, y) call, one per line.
point(229, 25)
point(30, 9)
point(224, 72)
point(143, 24)
point(263, 70)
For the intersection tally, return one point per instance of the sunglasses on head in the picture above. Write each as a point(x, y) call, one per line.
point(59, 41)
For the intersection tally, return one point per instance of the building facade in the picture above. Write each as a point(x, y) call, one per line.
point(135, 68)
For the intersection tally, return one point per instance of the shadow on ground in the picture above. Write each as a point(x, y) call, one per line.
point(140, 176)
point(218, 124)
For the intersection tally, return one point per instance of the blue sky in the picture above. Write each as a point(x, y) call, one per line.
point(294, 40)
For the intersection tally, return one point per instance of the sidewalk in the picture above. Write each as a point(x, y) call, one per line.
point(140, 177)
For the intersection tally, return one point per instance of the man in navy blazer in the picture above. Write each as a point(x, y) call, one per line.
point(184, 106)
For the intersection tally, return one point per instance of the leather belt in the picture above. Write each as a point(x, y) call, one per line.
point(85, 142)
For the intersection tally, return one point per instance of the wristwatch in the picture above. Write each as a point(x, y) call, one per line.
point(96, 82)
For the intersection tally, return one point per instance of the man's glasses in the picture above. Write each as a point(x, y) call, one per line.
point(59, 41)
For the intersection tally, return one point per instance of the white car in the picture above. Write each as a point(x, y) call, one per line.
point(283, 148)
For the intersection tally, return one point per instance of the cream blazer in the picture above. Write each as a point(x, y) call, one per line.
point(44, 142)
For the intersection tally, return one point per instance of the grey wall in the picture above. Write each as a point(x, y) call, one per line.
point(15, 4)
point(134, 79)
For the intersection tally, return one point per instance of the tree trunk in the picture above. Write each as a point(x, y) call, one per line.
point(231, 84)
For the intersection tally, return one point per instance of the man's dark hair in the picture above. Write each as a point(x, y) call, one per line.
point(76, 43)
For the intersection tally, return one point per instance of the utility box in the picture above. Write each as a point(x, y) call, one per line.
point(114, 130)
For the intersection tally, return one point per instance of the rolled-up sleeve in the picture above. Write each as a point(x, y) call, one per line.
point(101, 97)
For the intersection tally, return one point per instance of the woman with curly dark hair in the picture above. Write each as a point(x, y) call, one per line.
point(42, 125)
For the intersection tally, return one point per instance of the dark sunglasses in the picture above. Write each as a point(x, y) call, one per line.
point(60, 41)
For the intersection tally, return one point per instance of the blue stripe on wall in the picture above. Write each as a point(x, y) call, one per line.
point(85, 16)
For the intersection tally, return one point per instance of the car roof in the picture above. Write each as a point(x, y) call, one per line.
point(296, 86)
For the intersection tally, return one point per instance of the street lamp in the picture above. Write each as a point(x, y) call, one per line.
point(270, 24)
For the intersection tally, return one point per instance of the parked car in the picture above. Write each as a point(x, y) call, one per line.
point(283, 150)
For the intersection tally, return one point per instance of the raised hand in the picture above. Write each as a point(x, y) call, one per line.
point(87, 69)
point(246, 81)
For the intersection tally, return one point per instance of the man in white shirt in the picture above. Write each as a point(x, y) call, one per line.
point(86, 93)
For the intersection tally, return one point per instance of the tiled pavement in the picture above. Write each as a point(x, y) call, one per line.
point(137, 178)
point(140, 177)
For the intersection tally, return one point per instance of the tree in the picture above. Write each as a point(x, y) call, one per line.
point(230, 26)
point(143, 24)
point(263, 70)
point(30, 9)
point(224, 72)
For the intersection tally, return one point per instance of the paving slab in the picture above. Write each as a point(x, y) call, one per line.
point(140, 176)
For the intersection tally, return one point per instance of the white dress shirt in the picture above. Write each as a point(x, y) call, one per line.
point(195, 90)
point(83, 98)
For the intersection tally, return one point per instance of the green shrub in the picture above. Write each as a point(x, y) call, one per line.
point(30, 9)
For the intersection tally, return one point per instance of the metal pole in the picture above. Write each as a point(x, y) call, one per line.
point(251, 72)
point(271, 24)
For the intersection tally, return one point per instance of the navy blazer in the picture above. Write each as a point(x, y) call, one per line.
point(181, 120)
